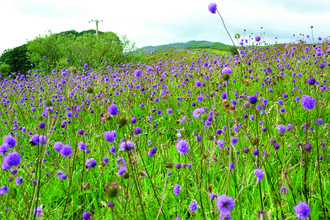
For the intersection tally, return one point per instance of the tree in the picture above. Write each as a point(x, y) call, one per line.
point(17, 59)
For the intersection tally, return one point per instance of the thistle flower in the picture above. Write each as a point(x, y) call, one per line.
point(120, 162)
point(3, 149)
point(176, 189)
point(212, 8)
point(152, 152)
point(225, 216)
point(43, 140)
point(110, 136)
point(19, 180)
point(126, 146)
point(213, 196)
point(283, 190)
point(121, 171)
point(302, 210)
point(182, 146)
point(137, 73)
point(193, 207)
point(319, 121)
point(3, 190)
point(308, 102)
point(66, 151)
point(9, 140)
point(226, 70)
point(61, 175)
point(82, 145)
point(311, 81)
point(113, 109)
point(252, 99)
point(38, 211)
point(259, 173)
point(86, 215)
point(90, 163)
point(137, 130)
point(11, 160)
point(281, 128)
point(225, 203)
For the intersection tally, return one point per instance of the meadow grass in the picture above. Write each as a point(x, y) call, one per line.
point(206, 101)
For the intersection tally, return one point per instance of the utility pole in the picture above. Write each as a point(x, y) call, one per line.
point(97, 25)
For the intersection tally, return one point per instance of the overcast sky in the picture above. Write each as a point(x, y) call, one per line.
point(153, 22)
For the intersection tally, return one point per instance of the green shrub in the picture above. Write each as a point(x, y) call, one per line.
point(4, 69)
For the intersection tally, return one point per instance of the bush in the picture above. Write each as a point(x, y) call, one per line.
point(4, 69)
point(86, 47)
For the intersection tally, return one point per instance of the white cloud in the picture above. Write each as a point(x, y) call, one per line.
point(150, 22)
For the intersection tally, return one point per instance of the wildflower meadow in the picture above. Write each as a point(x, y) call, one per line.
point(237, 136)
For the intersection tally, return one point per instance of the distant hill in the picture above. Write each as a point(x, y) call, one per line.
point(189, 45)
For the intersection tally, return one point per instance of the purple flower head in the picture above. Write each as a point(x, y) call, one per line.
point(169, 111)
point(43, 140)
point(86, 215)
point(223, 95)
point(226, 70)
point(197, 112)
point(176, 189)
point(182, 146)
point(284, 190)
point(61, 175)
point(193, 207)
point(281, 128)
point(319, 121)
point(3, 190)
point(152, 152)
point(308, 102)
point(9, 140)
point(126, 146)
point(212, 8)
point(121, 171)
point(66, 151)
point(19, 180)
point(120, 162)
point(11, 160)
point(302, 210)
point(137, 130)
point(38, 211)
point(112, 149)
point(213, 196)
point(58, 147)
point(234, 140)
point(137, 73)
point(311, 81)
point(252, 99)
point(113, 109)
point(34, 140)
point(259, 173)
point(3, 149)
point(257, 38)
point(321, 65)
point(221, 143)
point(225, 216)
point(105, 159)
point(82, 145)
point(225, 203)
point(289, 127)
point(90, 163)
point(198, 83)
point(110, 136)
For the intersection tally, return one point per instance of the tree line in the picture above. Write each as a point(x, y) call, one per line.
point(65, 49)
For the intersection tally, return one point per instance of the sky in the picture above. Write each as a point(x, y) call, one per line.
point(153, 22)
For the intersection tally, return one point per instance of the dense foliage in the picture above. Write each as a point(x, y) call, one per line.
point(53, 50)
